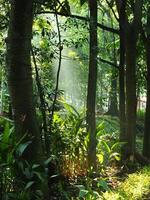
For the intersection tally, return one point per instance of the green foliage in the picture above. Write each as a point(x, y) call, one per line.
point(70, 134)
point(6, 156)
point(135, 187)
point(108, 147)
point(108, 125)
point(107, 154)
point(6, 141)
point(88, 194)
point(11, 163)
point(93, 188)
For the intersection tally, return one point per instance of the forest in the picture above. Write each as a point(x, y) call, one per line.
point(74, 100)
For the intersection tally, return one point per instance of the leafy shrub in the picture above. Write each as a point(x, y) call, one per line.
point(108, 147)
point(10, 161)
point(70, 136)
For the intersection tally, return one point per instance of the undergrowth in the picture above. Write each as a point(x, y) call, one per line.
point(135, 187)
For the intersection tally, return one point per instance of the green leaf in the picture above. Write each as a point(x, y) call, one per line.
point(51, 158)
point(83, 193)
point(117, 144)
point(6, 136)
point(39, 175)
point(100, 158)
point(29, 184)
point(22, 147)
point(46, 162)
point(106, 146)
point(35, 166)
point(103, 184)
point(96, 194)
point(115, 155)
point(28, 173)
point(70, 108)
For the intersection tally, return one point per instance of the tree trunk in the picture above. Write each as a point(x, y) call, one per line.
point(113, 107)
point(92, 79)
point(122, 71)
point(130, 92)
point(113, 100)
point(146, 143)
point(19, 75)
point(132, 32)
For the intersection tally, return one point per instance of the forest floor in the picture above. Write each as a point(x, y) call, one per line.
point(130, 186)
point(116, 183)
point(130, 181)
point(113, 181)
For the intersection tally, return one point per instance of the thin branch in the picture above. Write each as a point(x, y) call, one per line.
point(108, 62)
point(58, 71)
point(106, 28)
point(109, 4)
point(42, 102)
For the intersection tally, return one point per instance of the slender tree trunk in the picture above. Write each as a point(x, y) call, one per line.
point(92, 79)
point(130, 93)
point(122, 71)
point(132, 32)
point(146, 143)
point(113, 108)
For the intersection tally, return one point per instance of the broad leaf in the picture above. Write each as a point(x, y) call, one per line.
point(29, 184)
point(103, 184)
point(83, 193)
point(22, 147)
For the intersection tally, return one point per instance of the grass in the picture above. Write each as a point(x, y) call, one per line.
point(135, 187)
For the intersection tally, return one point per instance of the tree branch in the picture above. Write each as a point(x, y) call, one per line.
point(108, 62)
point(110, 6)
point(42, 102)
point(58, 71)
point(106, 28)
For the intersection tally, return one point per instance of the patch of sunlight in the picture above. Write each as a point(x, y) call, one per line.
point(72, 54)
point(135, 187)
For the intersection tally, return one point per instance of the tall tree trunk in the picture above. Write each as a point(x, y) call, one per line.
point(92, 79)
point(113, 107)
point(122, 70)
point(132, 32)
point(130, 93)
point(19, 74)
point(146, 143)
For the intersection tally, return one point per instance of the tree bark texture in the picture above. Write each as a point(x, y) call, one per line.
point(132, 32)
point(130, 93)
point(92, 79)
point(122, 70)
point(20, 76)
